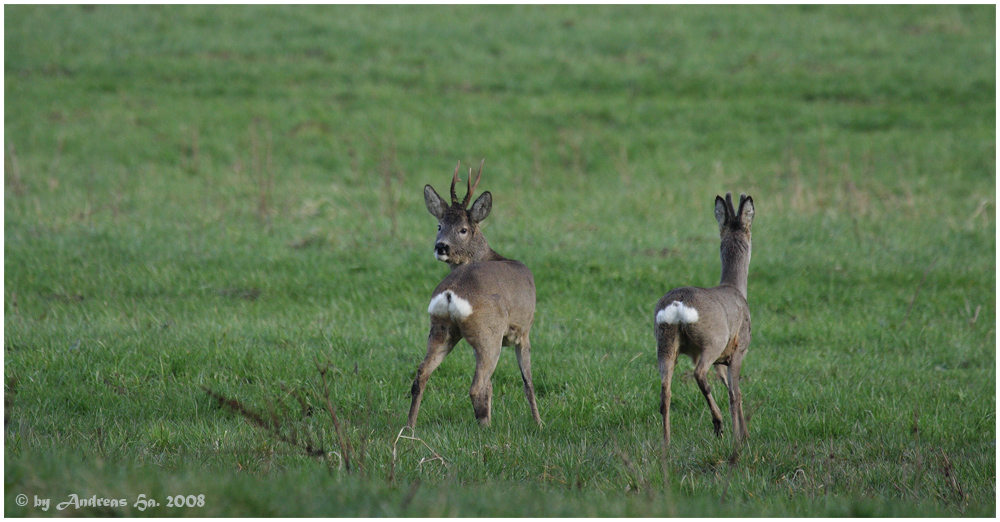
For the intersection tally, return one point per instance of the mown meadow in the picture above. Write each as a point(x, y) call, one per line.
point(217, 259)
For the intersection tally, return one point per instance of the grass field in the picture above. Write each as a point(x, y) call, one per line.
point(229, 200)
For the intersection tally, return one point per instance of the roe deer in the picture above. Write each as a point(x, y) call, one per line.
point(711, 325)
point(487, 299)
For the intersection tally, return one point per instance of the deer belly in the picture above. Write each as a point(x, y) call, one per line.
point(513, 336)
point(728, 352)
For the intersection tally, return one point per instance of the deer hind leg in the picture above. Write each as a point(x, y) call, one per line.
point(487, 350)
point(723, 371)
point(440, 342)
point(523, 352)
point(667, 343)
point(701, 376)
point(736, 398)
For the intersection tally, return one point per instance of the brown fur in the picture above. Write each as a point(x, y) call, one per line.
point(721, 335)
point(501, 293)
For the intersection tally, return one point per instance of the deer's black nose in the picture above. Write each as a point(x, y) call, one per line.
point(441, 249)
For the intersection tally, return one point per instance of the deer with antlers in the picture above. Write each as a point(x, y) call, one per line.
point(486, 299)
point(711, 325)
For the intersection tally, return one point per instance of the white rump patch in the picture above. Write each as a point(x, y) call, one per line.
point(447, 304)
point(677, 312)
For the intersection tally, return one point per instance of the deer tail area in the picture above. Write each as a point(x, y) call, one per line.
point(447, 304)
point(677, 313)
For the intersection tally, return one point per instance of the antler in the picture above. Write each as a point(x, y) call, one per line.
point(472, 187)
point(454, 179)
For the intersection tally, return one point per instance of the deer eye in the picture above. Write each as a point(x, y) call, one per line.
point(463, 231)
point(439, 227)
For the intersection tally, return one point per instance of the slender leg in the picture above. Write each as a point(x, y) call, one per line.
point(736, 408)
point(666, 355)
point(487, 352)
point(439, 344)
point(736, 399)
point(523, 352)
point(700, 375)
point(723, 374)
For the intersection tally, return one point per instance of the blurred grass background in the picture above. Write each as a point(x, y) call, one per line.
point(218, 197)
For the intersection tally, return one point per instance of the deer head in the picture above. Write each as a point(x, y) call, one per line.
point(731, 219)
point(459, 239)
point(734, 230)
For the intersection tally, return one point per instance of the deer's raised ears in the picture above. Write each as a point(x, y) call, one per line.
point(437, 206)
point(729, 217)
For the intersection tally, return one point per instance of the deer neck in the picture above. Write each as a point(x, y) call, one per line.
point(735, 265)
point(483, 254)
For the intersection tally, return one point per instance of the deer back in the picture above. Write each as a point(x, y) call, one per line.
point(707, 316)
point(500, 293)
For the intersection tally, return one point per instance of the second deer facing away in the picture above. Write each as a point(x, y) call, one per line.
point(711, 325)
point(487, 299)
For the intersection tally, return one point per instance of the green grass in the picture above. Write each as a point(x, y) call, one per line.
point(219, 198)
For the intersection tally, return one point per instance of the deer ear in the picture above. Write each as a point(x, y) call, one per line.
point(721, 211)
point(746, 210)
point(435, 205)
point(481, 208)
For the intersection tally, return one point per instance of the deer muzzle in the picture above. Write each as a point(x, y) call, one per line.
point(441, 251)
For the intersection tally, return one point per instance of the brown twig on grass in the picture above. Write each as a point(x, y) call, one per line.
point(975, 315)
point(640, 480)
point(952, 481)
point(262, 170)
point(15, 171)
point(410, 495)
point(345, 445)
point(271, 425)
point(436, 456)
point(273, 422)
point(391, 177)
point(917, 293)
